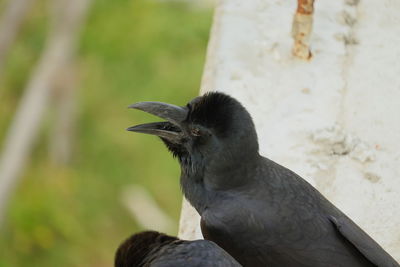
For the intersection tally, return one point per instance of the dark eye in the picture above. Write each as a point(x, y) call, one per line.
point(195, 132)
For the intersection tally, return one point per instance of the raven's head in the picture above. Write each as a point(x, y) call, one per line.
point(135, 250)
point(211, 131)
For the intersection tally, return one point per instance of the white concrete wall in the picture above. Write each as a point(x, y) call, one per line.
point(335, 120)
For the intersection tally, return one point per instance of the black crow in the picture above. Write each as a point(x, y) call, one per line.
point(153, 249)
point(260, 212)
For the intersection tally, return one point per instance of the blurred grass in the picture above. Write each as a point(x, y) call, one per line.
point(130, 51)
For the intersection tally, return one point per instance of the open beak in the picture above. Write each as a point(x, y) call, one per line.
point(171, 129)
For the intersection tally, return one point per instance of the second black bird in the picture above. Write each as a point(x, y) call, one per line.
point(154, 249)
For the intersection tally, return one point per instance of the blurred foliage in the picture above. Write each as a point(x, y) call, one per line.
point(130, 50)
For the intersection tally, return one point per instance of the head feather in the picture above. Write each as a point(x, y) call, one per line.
point(134, 250)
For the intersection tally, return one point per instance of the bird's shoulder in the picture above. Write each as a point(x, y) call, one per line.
point(283, 186)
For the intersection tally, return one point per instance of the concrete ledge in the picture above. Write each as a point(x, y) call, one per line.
point(334, 119)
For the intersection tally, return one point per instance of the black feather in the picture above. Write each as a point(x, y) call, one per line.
point(134, 250)
point(153, 249)
point(215, 111)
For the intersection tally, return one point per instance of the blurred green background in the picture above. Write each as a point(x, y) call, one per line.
point(129, 51)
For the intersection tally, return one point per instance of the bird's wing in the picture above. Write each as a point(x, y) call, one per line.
point(363, 242)
point(199, 253)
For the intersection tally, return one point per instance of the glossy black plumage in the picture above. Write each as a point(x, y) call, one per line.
point(257, 210)
point(153, 249)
